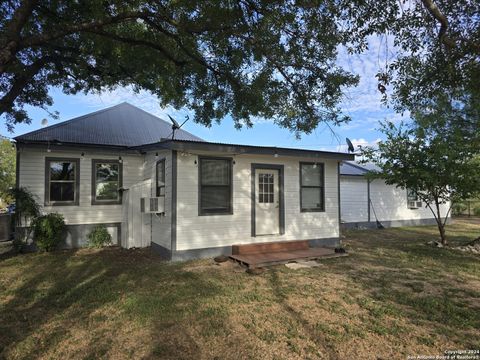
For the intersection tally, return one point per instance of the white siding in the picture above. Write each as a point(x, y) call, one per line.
point(390, 204)
point(388, 201)
point(32, 176)
point(160, 225)
point(353, 199)
point(194, 231)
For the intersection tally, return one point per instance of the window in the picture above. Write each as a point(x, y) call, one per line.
point(265, 188)
point(413, 201)
point(61, 181)
point(106, 182)
point(215, 186)
point(160, 176)
point(412, 195)
point(312, 187)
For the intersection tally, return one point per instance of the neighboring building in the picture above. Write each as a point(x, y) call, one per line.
point(185, 197)
point(365, 201)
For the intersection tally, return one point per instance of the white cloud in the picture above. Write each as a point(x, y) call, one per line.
point(143, 99)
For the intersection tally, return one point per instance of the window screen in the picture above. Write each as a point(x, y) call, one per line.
point(215, 195)
point(61, 181)
point(311, 187)
point(160, 172)
point(107, 180)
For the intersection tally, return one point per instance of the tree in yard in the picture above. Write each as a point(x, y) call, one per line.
point(248, 58)
point(437, 156)
point(7, 170)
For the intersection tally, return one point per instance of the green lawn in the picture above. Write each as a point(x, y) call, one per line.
point(392, 297)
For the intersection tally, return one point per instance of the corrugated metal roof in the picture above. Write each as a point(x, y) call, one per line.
point(120, 125)
point(351, 169)
point(237, 149)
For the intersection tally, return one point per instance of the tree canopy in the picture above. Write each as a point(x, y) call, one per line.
point(249, 58)
point(7, 170)
point(438, 156)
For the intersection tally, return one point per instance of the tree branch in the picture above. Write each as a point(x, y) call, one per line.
point(20, 82)
point(9, 45)
point(442, 19)
point(139, 43)
point(67, 30)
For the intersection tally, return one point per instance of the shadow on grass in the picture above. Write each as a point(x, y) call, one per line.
point(429, 286)
point(59, 293)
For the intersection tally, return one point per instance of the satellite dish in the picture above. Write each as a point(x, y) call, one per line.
point(351, 148)
point(44, 122)
point(176, 125)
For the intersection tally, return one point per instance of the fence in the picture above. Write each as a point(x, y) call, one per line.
point(5, 226)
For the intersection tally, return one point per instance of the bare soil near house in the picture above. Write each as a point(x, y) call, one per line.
point(393, 296)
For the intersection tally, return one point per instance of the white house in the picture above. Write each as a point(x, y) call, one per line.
point(364, 201)
point(184, 197)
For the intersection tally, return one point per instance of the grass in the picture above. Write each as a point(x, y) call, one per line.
point(392, 297)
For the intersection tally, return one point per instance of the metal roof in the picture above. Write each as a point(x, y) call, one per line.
point(237, 149)
point(120, 125)
point(351, 169)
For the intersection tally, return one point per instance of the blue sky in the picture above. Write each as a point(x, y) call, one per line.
point(361, 103)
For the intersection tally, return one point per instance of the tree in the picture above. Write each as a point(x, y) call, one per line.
point(438, 159)
point(249, 58)
point(7, 169)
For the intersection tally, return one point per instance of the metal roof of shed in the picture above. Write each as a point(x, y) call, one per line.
point(351, 169)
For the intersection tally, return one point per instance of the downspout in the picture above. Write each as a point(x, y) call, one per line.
point(339, 208)
point(368, 200)
point(173, 233)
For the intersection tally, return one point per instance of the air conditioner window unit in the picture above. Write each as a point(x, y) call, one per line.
point(414, 204)
point(152, 205)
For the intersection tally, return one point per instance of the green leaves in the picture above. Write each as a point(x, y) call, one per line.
point(247, 59)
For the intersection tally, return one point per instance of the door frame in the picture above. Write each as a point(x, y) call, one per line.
point(281, 198)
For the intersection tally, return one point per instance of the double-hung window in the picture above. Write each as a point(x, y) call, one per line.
point(106, 182)
point(160, 178)
point(412, 195)
point(312, 187)
point(215, 186)
point(62, 181)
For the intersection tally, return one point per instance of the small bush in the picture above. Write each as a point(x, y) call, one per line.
point(99, 237)
point(49, 231)
point(476, 210)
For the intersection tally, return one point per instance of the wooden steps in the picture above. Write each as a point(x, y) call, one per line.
point(269, 247)
point(275, 253)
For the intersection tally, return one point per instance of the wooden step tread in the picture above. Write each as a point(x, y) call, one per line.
point(269, 247)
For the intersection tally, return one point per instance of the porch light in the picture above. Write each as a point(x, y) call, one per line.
point(276, 154)
point(120, 159)
point(82, 156)
point(156, 156)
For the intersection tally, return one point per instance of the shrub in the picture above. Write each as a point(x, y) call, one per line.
point(99, 237)
point(458, 208)
point(48, 231)
point(26, 211)
point(476, 210)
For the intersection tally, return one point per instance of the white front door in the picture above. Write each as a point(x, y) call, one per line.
point(267, 209)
